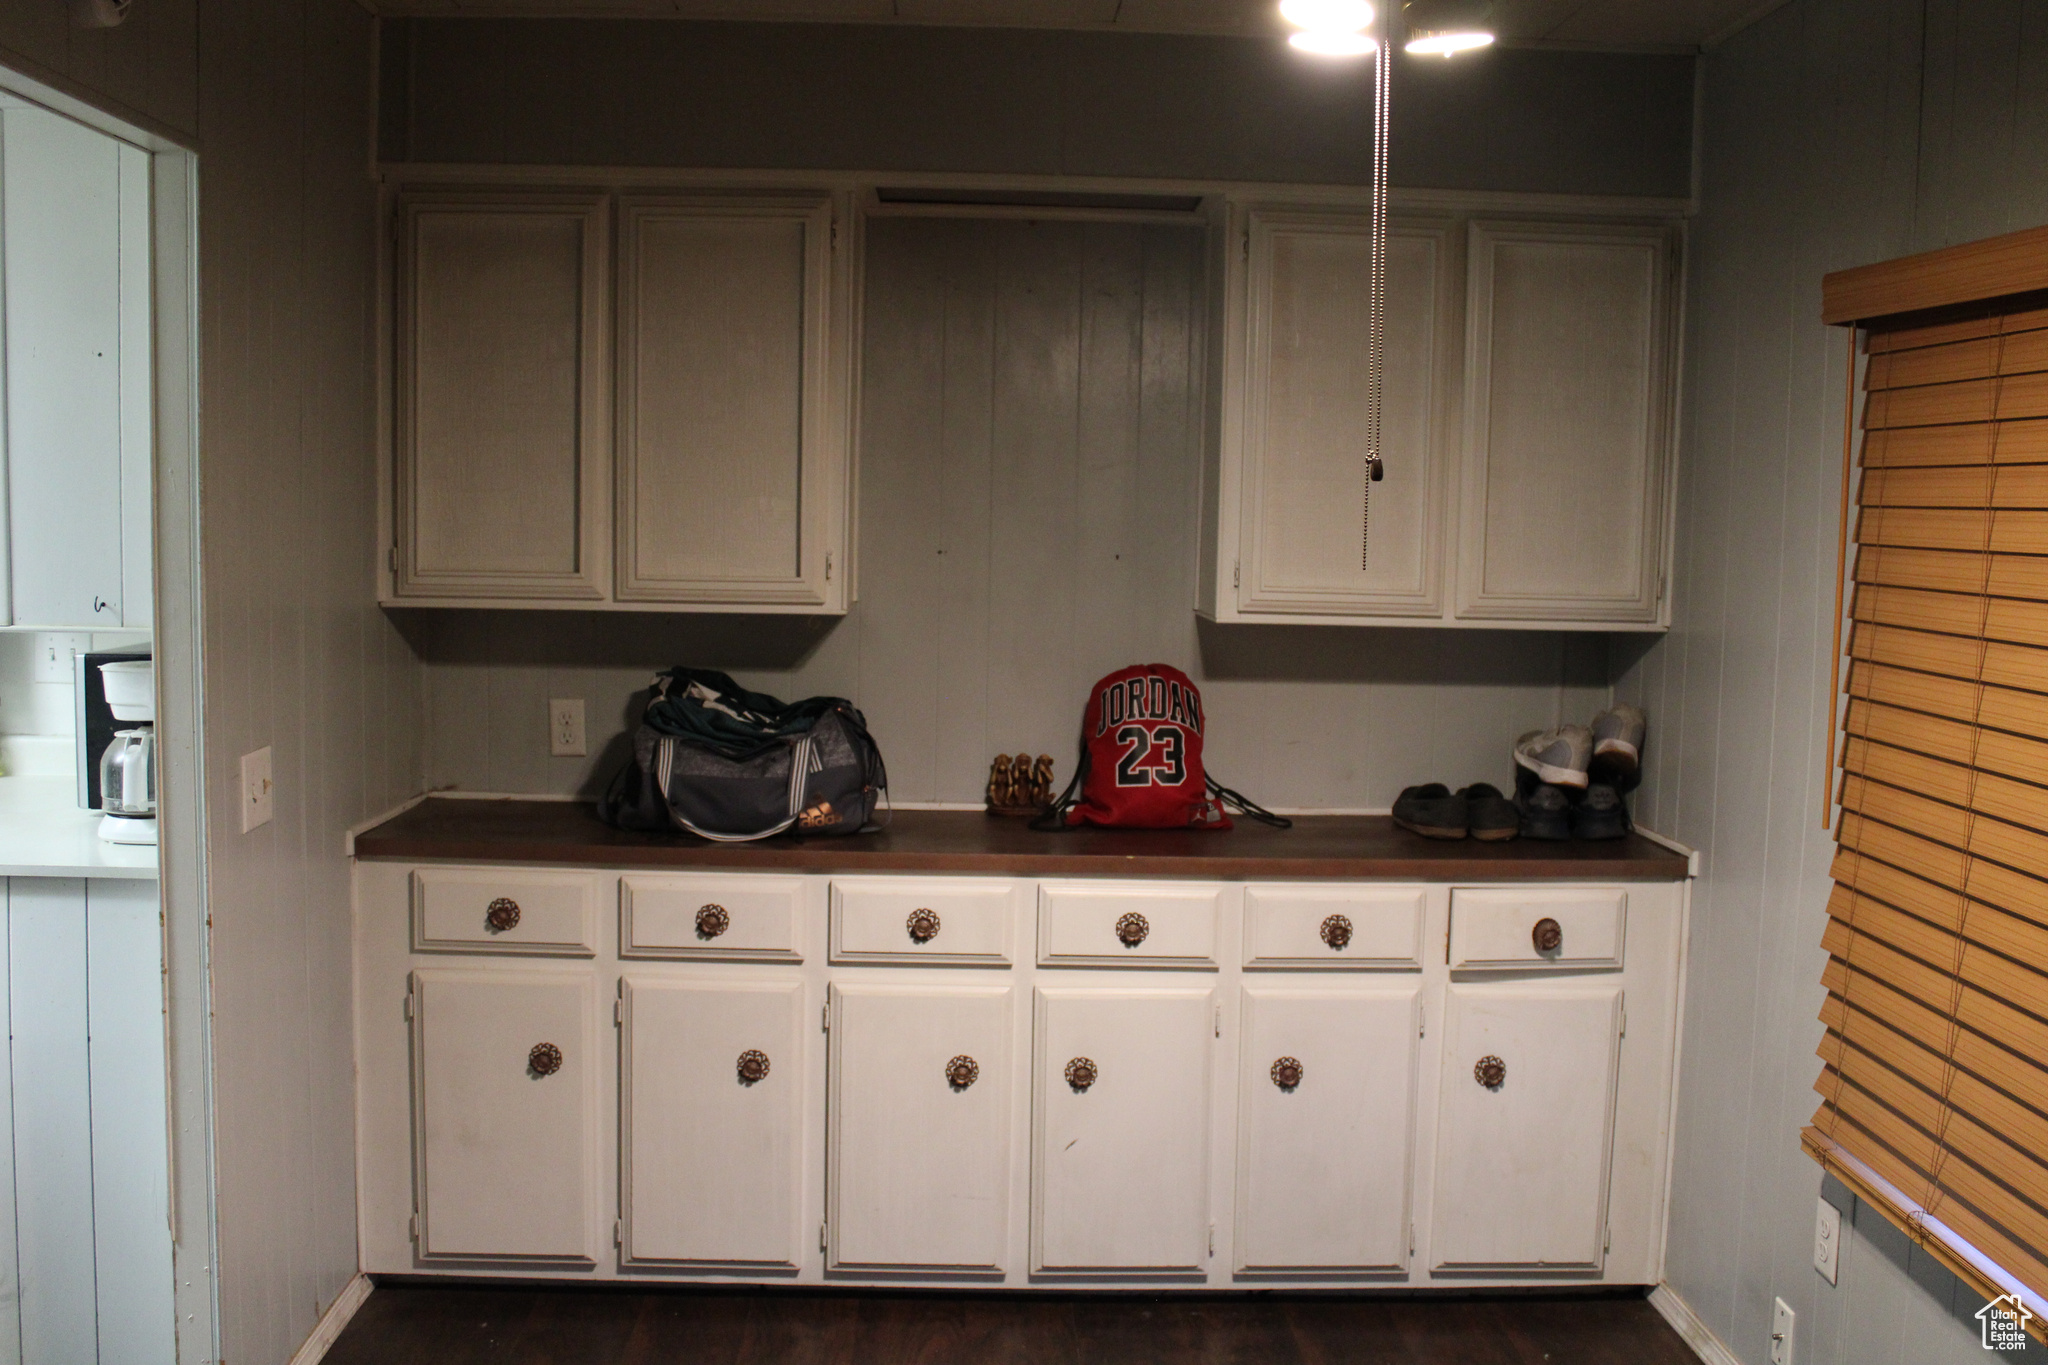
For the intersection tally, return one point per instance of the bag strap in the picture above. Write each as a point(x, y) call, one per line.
point(1053, 819)
point(1244, 805)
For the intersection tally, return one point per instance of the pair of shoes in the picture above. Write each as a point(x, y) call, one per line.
point(1569, 781)
point(1436, 812)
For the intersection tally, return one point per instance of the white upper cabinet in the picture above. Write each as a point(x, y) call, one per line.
point(694, 455)
point(501, 405)
point(1526, 422)
point(1567, 422)
point(1306, 542)
point(78, 381)
point(727, 468)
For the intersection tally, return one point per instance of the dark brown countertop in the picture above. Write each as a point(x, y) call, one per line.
point(1339, 846)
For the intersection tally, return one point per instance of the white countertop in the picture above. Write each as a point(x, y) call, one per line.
point(43, 833)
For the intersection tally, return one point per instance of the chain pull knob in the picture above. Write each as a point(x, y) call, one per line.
point(1131, 929)
point(962, 1072)
point(1286, 1073)
point(1081, 1073)
point(1337, 932)
point(923, 925)
point(753, 1066)
point(1490, 1071)
point(544, 1060)
point(712, 920)
point(1548, 935)
point(502, 914)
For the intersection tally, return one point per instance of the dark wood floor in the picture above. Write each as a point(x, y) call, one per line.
point(410, 1324)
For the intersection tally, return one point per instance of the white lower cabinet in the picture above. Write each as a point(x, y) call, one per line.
point(505, 1106)
point(1524, 1126)
point(919, 1127)
point(1325, 1114)
point(1120, 1161)
point(711, 1116)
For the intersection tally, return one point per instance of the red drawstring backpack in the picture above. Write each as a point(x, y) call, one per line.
point(1141, 759)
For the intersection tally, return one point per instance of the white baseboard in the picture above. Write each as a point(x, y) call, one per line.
point(333, 1320)
point(1687, 1324)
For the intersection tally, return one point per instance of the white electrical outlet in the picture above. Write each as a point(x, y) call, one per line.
point(1781, 1333)
point(53, 656)
point(257, 790)
point(1827, 1240)
point(565, 728)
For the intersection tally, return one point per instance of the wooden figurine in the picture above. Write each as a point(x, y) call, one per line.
point(1041, 782)
point(999, 782)
point(1019, 786)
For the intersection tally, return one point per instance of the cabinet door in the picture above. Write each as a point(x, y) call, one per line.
point(1120, 1161)
point(504, 1112)
point(501, 409)
point(1521, 1166)
point(1307, 542)
point(1567, 422)
point(920, 1127)
point(1325, 1108)
point(728, 468)
point(711, 1169)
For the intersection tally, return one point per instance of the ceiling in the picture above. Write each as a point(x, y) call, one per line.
point(1615, 25)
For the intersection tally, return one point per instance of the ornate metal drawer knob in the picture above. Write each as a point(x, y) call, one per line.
point(962, 1072)
point(923, 925)
point(1490, 1071)
point(1081, 1073)
point(1548, 935)
point(753, 1066)
point(544, 1060)
point(712, 920)
point(1132, 928)
point(502, 914)
point(1337, 933)
point(1286, 1073)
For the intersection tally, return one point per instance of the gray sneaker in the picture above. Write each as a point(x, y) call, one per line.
point(1618, 746)
point(1559, 757)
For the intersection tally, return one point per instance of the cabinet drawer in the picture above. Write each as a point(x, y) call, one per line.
point(499, 910)
point(961, 921)
point(1503, 929)
point(1333, 926)
point(1093, 924)
point(722, 918)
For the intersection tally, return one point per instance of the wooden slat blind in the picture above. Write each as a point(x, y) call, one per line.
point(1934, 1065)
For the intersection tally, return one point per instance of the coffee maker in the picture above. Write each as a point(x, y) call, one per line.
point(127, 768)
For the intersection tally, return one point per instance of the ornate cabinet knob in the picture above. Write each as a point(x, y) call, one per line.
point(712, 920)
point(1081, 1073)
point(1132, 928)
point(544, 1060)
point(1337, 933)
point(962, 1072)
point(753, 1066)
point(1548, 935)
point(1490, 1071)
point(502, 914)
point(1286, 1073)
point(923, 925)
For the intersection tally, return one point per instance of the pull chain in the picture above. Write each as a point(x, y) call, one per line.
point(1376, 303)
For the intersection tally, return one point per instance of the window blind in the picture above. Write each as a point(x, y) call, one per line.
point(1934, 1063)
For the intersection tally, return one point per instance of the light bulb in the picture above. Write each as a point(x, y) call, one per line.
point(1447, 44)
point(1325, 42)
point(1327, 16)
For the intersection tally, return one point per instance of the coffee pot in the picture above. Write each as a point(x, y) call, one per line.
point(128, 766)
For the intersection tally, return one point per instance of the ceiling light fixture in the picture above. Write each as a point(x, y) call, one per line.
point(1444, 28)
point(1331, 28)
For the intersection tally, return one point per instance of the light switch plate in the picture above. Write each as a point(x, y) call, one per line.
point(1781, 1332)
point(565, 728)
point(1827, 1240)
point(53, 655)
point(257, 790)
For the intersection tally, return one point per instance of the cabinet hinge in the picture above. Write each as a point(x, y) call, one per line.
point(825, 1017)
point(412, 1227)
point(408, 1005)
point(618, 1013)
point(822, 1228)
point(1411, 1240)
point(1236, 572)
point(1246, 253)
point(1607, 1245)
point(1663, 586)
point(1219, 1021)
point(618, 1232)
point(828, 566)
point(391, 558)
point(1212, 1239)
point(1422, 1021)
point(1624, 1021)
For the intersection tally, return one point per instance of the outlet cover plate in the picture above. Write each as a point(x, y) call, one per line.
point(1781, 1332)
point(1827, 1240)
point(257, 789)
point(565, 727)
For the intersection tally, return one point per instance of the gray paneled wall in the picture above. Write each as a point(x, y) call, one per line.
point(1022, 102)
point(1029, 502)
point(1899, 147)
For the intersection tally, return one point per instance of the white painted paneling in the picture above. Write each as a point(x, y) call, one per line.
point(138, 391)
point(1030, 465)
point(10, 1272)
point(1837, 133)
